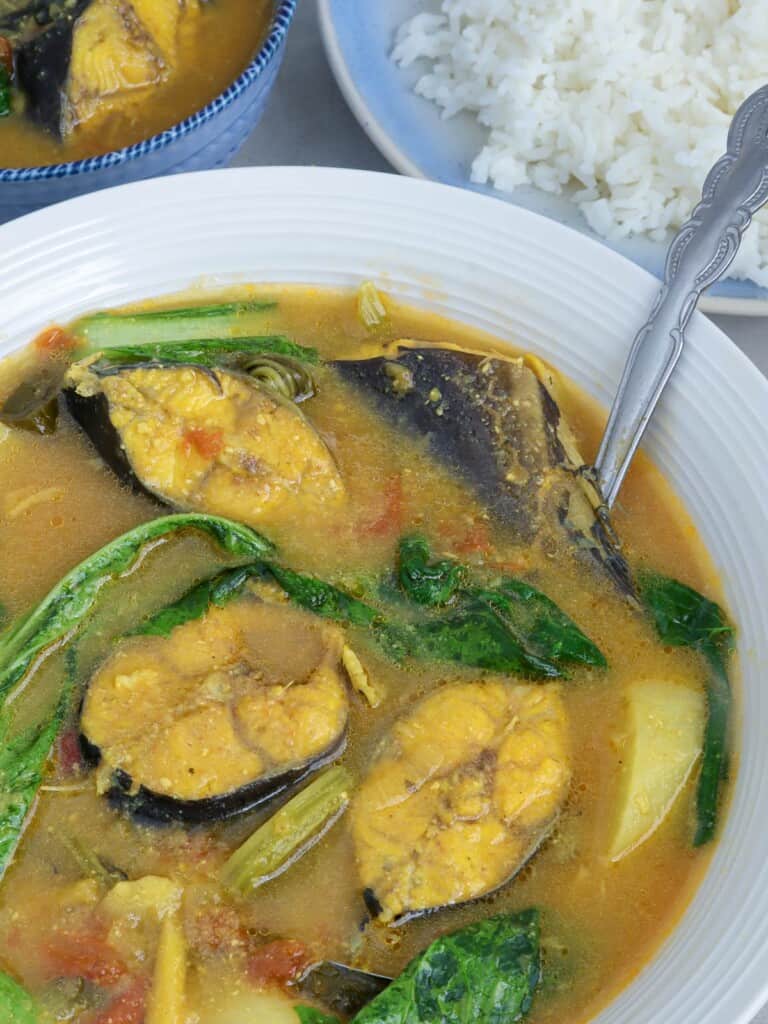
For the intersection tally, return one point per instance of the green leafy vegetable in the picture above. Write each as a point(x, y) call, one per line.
point(549, 633)
point(5, 92)
point(34, 404)
point(511, 627)
point(23, 755)
point(289, 833)
point(473, 635)
point(16, 1004)
point(323, 598)
point(685, 618)
point(309, 1015)
point(106, 330)
point(514, 628)
point(56, 621)
point(308, 592)
point(22, 761)
point(476, 636)
point(59, 614)
point(217, 590)
point(208, 351)
point(429, 583)
point(486, 973)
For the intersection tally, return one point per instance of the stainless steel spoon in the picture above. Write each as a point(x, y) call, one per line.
point(701, 252)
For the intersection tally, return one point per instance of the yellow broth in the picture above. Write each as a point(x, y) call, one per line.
point(213, 50)
point(601, 921)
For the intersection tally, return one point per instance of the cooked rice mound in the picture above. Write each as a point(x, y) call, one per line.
point(622, 104)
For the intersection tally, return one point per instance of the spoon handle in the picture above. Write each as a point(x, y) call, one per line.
point(700, 253)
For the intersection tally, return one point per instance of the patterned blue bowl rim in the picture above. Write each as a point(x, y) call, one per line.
point(285, 9)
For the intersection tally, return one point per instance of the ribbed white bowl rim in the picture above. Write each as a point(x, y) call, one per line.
point(526, 279)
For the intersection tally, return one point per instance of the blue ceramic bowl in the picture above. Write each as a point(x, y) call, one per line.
point(207, 139)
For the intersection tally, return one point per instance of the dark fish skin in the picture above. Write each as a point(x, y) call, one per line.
point(151, 808)
point(14, 15)
point(92, 414)
point(455, 420)
point(340, 988)
point(497, 425)
point(42, 67)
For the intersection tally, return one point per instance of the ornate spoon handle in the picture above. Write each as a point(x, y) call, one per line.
point(701, 252)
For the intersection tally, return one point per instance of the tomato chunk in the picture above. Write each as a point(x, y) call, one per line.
point(126, 1008)
point(476, 539)
point(389, 519)
point(68, 754)
point(54, 342)
point(208, 443)
point(6, 55)
point(83, 954)
point(279, 962)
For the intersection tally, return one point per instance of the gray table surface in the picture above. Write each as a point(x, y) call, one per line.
point(307, 121)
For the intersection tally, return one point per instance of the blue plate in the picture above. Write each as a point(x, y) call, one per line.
point(413, 136)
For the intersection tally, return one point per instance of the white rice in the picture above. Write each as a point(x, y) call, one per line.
point(622, 104)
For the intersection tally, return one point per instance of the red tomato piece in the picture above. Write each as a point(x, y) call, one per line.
point(279, 962)
point(126, 1008)
point(83, 954)
point(208, 443)
point(68, 753)
point(54, 342)
point(6, 55)
point(389, 519)
point(476, 539)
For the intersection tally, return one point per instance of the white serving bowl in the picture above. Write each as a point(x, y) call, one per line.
point(549, 289)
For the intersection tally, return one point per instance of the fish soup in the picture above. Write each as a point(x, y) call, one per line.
point(86, 77)
point(320, 647)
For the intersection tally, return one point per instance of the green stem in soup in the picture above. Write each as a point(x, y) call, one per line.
point(371, 310)
point(685, 618)
point(16, 1004)
point(714, 766)
point(486, 973)
point(237, 352)
point(107, 330)
point(88, 862)
point(289, 833)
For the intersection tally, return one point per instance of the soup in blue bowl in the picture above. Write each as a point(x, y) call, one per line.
point(95, 93)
